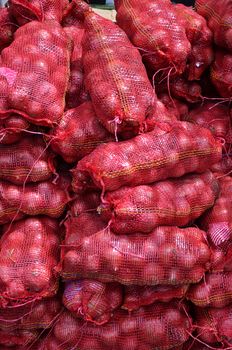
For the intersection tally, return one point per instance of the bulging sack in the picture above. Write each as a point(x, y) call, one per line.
point(76, 81)
point(160, 325)
point(29, 160)
point(217, 221)
point(218, 15)
point(17, 339)
point(34, 315)
point(7, 28)
point(200, 37)
point(163, 42)
point(115, 76)
point(168, 255)
point(34, 73)
point(137, 296)
point(214, 325)
point(221, 73)
point(12, 129)
point(40, 10)
point(29, 254)
point(43, 198)
point(214, 290)
point(171, 203)
point(79, 133)
point(171, 149)
point(92, 300)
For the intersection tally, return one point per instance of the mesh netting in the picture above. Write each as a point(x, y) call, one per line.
point(161, 326)
point(168, 255)
point(223, 167)
point(71, 15)
point(28, 160)
point(217, 221)
point(85, 202)
point(214, 117)
point(221, 73)
point(115, 76)
point(218, 14)
point(195, 344)
point(177, 148)
point(91, 300)
point(28, 256)
point(163, 42)
point(217, 119)
point(34, 315)
point(176, 107)
point(215, 325)
point(44, 198)
point(11, 129)
point(170, 203)
point(215, 290)
point(29, 10)
point(181, 88)
point(18, 338)
point(75, 86)
point(200, 37)
point(137, 296)
point(79, 133)
point(34, 73)
point(7, 28)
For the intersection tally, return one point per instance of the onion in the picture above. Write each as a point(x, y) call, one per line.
point(16, 289)
point(128, 326)
point(110, 337)
point(72, 261)
point(37, 278)
point(130, 342)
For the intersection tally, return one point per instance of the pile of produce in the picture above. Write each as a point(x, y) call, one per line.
point(115, 176)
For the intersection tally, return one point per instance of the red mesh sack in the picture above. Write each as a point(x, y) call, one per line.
point(216, 118)
point(171, 203)
point(29, 160)
point(171, 149)
point(137, 296)
point(214, 290)
point(183, 89)
point(159, 113)
point(75, 86)
point(79, 133)
point(18, 338)
point(29, 253)
point(159, 326)
point(168, 255)
point(217, 221)
point(91, 300)
point(115, 76)
point(11, 129)
point(44, 198)
point(85, 202)
point(200, 37)
point(195, 344)
point(71, 16)
point(214, 325)
point(34, 73)
point(218, 14)
point(7, 26)
point(224, 167)
point(175, 107)
point(35, 315)
point(163, 42)
point(29, 10)
point(221, 73)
